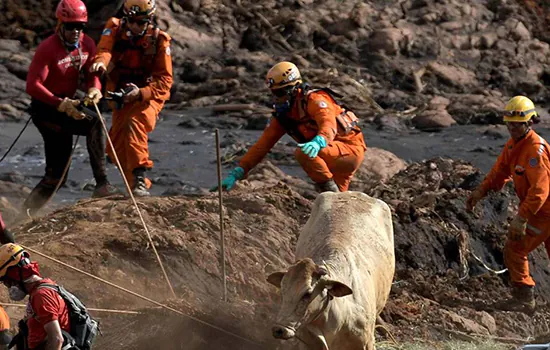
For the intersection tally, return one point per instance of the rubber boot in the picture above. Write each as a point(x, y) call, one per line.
point(39, 196)
point(329, 186)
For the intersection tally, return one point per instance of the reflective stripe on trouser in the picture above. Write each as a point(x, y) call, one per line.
point(515, 252)
point(338, 161)
point(131, 124)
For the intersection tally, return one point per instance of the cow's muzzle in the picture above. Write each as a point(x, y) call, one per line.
point(283, 332)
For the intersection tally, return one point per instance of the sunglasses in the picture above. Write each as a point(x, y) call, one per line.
point(518, 113)
point(140, 21)
point(74, 26)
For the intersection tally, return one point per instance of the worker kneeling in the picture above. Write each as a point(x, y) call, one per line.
point(525, 160)
point(330, 143)
point(54, 319)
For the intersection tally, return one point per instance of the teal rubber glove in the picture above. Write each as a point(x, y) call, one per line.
point(312, 148)
point(228, 183)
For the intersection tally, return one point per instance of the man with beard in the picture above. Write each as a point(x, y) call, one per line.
point(59, 67)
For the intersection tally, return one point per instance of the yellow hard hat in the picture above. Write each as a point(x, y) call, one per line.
point(139, 8)
point(283, 74)
point(10, 255)
point(519, 109)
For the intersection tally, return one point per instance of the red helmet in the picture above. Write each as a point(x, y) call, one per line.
point(71, 11)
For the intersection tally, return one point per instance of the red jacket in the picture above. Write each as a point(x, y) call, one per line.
point(54, 72)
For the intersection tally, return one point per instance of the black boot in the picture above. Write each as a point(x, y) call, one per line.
point(329, 186)
point(39, 196)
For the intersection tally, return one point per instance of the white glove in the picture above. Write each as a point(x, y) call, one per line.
point(68, 107)
point(97, 67)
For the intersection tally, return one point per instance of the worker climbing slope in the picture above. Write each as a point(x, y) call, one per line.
point(60, 66)
point(50, 321)
point(525, 160)
point(330, 143)
point(135, 54)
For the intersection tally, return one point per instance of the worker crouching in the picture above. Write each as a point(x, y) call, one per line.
point(330, 143)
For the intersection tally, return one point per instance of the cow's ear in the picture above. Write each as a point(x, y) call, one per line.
point(275, 278)
point(337, 289)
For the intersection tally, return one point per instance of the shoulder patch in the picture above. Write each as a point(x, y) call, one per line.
point(107, 32)
point(168, 51)
point(323, 104)
point(533, 162)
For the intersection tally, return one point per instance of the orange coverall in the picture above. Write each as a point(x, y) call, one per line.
point(527, 163)
point(338, 161)
point(151, 70)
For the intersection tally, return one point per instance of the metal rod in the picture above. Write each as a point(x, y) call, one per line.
point(220, 196)
point(133, 198)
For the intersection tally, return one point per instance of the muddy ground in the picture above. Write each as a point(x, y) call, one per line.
point(439, 71)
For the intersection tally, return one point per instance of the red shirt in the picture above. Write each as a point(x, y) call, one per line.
point(54, 71)
point(45, 305)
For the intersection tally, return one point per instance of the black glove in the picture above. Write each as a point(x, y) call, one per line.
point(6, 237)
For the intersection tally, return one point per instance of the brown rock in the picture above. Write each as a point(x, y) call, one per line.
point(433, 119)
point(520, 32)
point(486, 320)
point(387, 40)
point(438, 103)
point(378, 166)
point(487, 40)
point(453, 75)
point(463, 324)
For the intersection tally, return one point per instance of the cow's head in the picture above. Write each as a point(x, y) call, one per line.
point(306, 289)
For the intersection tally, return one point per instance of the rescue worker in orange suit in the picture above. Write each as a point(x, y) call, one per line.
point(330, 144)
point(59, 66)
point(5, 337)
point(135, 54)
point(525, 160)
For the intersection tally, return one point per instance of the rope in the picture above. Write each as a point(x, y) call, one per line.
point(134, 199)
point(16, 139)
point(497, 272)
point(140, 296)
point(88, 308)
point(67, 166)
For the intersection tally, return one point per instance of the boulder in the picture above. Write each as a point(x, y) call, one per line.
point(378, 166)
point(433, 120)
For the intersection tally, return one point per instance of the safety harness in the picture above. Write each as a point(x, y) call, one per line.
point(347, 120)
point(148, 46)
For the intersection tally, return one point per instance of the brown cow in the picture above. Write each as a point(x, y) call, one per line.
point(333, 294)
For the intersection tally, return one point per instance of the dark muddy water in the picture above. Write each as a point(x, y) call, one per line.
point(185, 158)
